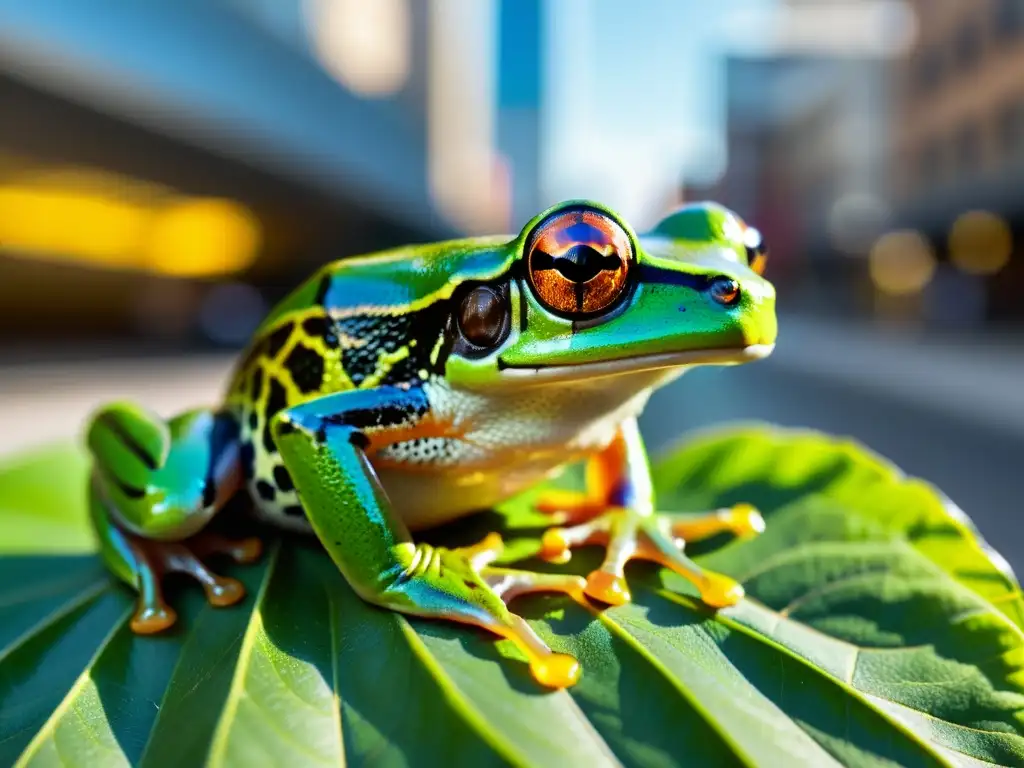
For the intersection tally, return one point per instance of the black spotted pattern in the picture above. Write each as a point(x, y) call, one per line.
point(306, 367)
point(283, 479)
point(321, 328)
point(386, 334)
point(248, 456)
point(257, 383)
point(265, 490)
point(277, 339)
point(277, 401)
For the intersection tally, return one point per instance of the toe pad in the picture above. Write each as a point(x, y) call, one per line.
point(608, 588)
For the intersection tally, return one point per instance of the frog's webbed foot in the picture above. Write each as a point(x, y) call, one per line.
point(156, 559)
point(461, 585)
point(660, 538)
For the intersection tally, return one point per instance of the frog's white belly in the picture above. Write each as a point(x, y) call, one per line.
point(501, 445)
point(506, 444)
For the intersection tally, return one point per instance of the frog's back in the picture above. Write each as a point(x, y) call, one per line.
point(357, 323)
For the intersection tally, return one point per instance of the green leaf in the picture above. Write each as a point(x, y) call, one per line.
point(42, 497)
point(880, 630)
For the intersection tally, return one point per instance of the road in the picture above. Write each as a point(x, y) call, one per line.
point(950, 414)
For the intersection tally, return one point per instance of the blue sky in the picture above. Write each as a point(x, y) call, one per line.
point(634, 97)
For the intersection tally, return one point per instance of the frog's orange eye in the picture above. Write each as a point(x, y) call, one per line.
point(757, 251)
point(578, 262)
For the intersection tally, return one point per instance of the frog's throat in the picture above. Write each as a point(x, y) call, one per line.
point(543, 374)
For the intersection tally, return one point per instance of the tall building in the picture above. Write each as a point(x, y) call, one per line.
point(805, 137)
point(251, 140)
point(958, 107)
point(520, 81)
point(957, 151)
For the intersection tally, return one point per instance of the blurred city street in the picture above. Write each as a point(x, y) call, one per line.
point(160, 192)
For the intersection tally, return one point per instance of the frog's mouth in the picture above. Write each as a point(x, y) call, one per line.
point(526, 373)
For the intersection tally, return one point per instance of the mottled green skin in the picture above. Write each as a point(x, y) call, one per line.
point(349, 366)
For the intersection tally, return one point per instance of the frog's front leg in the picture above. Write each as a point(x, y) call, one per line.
point(326, 444)
point(617, 511)
point(154, 487)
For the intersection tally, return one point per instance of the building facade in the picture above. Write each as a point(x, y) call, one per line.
point(957, 148)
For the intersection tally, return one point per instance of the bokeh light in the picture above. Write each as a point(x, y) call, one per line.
point(901, 263)
point(980, 243)
point(202, 237)
point(366, 46)
point(106, 220)
point(71, 223)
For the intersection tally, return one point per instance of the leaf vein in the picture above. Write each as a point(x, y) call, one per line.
point(69, 698)
point(220, 737)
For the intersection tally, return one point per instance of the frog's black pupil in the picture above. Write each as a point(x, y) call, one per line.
point(580, 262)
point(482, 317)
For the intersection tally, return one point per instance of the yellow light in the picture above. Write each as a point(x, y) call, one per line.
point(980, 243)
point(112, 221)
point(901, 263)
point(364, 44)
point(71, 224)
point(203, 237)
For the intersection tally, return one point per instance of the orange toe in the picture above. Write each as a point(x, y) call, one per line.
point(720, 591)
point(150, 620)
point(608, 588)
point(248, 550)
point(225, 592)
point(746, 520)
point(553, 547)
point(556, 670)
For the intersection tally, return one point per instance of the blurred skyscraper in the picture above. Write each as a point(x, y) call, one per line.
point(957, 153)
point(247, 140)
point(521, 46)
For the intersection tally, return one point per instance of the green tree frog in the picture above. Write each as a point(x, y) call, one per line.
point(397, 391)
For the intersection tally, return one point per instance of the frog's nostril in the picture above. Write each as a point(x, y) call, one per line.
point(725, 291)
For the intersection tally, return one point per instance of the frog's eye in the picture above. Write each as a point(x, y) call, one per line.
point(483, 317)
point(757, 250)
point(578, 262)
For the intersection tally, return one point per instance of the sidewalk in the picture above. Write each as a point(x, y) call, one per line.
point(44, 402)
point(979, 381)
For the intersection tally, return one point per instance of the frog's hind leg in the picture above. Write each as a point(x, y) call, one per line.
point(155, 485)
